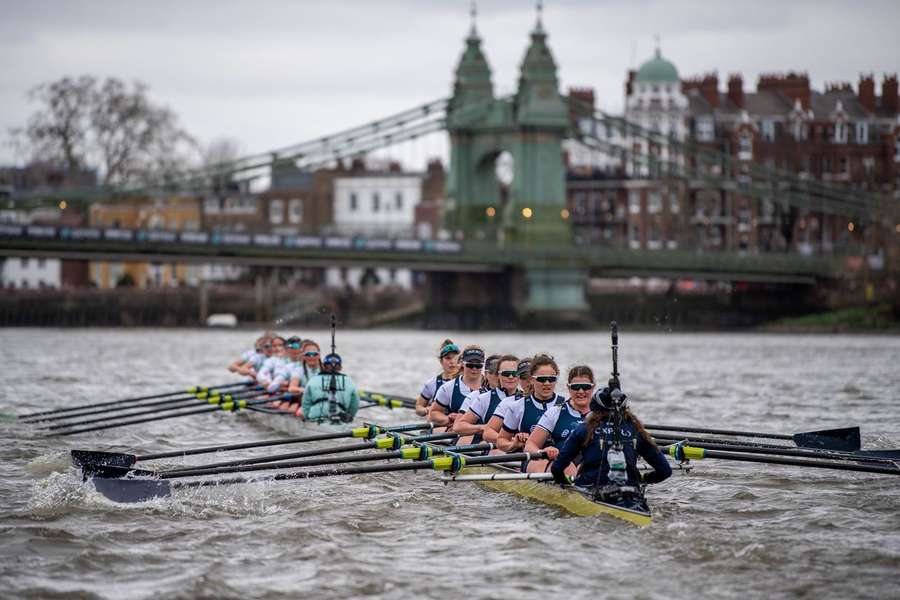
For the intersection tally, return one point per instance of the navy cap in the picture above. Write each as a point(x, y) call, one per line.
point(524, 367)
point(473, 355)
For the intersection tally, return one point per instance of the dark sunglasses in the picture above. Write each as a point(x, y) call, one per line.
point(311, 354)
point(471, 365)
point(509, 373)
point(267, 347)
point(546, 379)
point(580, 387)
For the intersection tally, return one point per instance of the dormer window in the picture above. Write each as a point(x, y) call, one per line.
point(840, 132)
point(768, 130)
point(705, 130)
point(862, 132)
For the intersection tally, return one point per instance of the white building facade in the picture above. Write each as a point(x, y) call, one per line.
point(377, 205)
point(31, 273)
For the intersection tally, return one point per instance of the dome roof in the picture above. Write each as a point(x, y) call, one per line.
point(657, 69)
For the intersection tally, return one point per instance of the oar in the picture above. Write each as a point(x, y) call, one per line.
point(711, 444)
point(140, 490)
point(272, 462)
point(203, 395)
point(225, 406)
point(681, 452)
point(215, 399)
point(85, 457)
point(190, 391)
point(388, 400)
point(844, 438)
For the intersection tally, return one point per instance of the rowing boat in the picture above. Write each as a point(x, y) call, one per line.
point(494, 477)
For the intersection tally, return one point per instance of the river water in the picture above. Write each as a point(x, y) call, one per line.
point(726, 530)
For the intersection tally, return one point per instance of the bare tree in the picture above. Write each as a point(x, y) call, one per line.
point(222, 150)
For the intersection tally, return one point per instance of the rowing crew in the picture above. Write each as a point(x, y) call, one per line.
point(591, 436)
point(318, 390)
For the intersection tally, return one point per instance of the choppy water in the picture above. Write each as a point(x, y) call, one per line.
point(728, 530)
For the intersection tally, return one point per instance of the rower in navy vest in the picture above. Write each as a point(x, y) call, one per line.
point(449, 399)
point(495, 422)
point(523, 415)
point(561, 420)
point(448, 355)
point(330, 396)
point(489, 380)
point(480, 406)
point(610, 441)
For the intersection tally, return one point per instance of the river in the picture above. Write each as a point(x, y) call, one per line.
point(726, 530)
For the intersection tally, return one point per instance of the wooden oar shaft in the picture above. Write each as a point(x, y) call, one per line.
point(137, 399)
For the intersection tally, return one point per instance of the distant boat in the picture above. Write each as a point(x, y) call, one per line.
point(222, 320)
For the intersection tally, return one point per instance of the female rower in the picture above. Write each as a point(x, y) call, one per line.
point(610, 440)
point(495, 422)
point(480, 406)
point(490, 379)
point(561, 420)
point(310, 366)
point(523, 416)
point(331, 396)
point(270, 366)
point(448, 355)
point(250, 359)
point(449, 399)
point(286, 371)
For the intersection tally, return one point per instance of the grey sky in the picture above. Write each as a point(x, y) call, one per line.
point(272, 73)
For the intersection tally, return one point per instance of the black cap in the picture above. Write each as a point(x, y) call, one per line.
point(473, 355)
point(524, 367)
point(492, 364)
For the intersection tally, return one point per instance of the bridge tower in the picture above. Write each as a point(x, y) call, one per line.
point(507, 174)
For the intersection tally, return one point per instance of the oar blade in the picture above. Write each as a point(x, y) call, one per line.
point(89, 470)
point(130, 491)
point(845, 438)
point(82, 458)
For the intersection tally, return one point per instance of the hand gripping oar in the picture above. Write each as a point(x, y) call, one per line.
point(140, 490)
point(85, 457)
point(214, 399)
point(191, 390)
point(200, 395)
point(262, 463)
point(226, 406)
point(712, 444)
point(682, 452)
point(844, 438)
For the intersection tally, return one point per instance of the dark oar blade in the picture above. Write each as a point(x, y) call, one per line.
point(82, 458)
point(888, 454)
point(845, 438)
point(112, 472)
point(132, 490)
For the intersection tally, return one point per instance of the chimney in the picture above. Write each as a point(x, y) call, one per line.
point(889, 99)
point(582, 102)
point(793, 85)
point(707, 85)
point(867, 92)
point(630, 82)
point(736, 90)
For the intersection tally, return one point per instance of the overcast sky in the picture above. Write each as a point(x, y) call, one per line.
point(273, 73)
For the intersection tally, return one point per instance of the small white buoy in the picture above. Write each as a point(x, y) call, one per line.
point(222, 320)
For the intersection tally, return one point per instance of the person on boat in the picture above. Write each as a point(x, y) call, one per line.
point(309, 366)
point(330, 395)
point(480, 406)
point(489, 380)
point(495, 422)
point(285, 372)
point(251, 359)
point(561, 420)
point(523, 416)
point(448, 355)
point(449, 399)
point(270, 366)
point(610, 440)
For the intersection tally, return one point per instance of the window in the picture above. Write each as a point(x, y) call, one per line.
point(376, 202)
point(844, 166)
point(862, 132)
point(212, 205)
point(705, 129)
point(654, 203)
point(354, 203)
point(745, 146)
point(634, 236)
point(897, 149)
point(800, 130)
point(398, 200)
point(634, 203)
point(295, 211)
point(674, 205)
point(276, 211)
point(868, 165)
point(840, 133)
point(768, 130)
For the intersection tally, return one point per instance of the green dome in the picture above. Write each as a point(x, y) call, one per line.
point(657, 70)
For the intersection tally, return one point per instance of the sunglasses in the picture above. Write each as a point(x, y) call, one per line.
point(267, 347)
point(546, 379)
point(478, 366)
point(580, 387)
point(294, 346)
point(310, 354)
point(509, 373)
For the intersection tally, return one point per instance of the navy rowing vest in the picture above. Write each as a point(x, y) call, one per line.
point(565, 425)
point(495, 402)
point(533, 414)
point(456, 401)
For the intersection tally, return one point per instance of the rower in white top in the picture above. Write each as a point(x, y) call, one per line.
point(481, 406)
point(449, 399)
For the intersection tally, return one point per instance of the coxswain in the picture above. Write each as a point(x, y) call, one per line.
point(480, 406)
point(523, 416)
point(448, 355)
point(610, 440)
point(561, 420)
point(495, 422)
point(330, 395)
point(449, 399)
